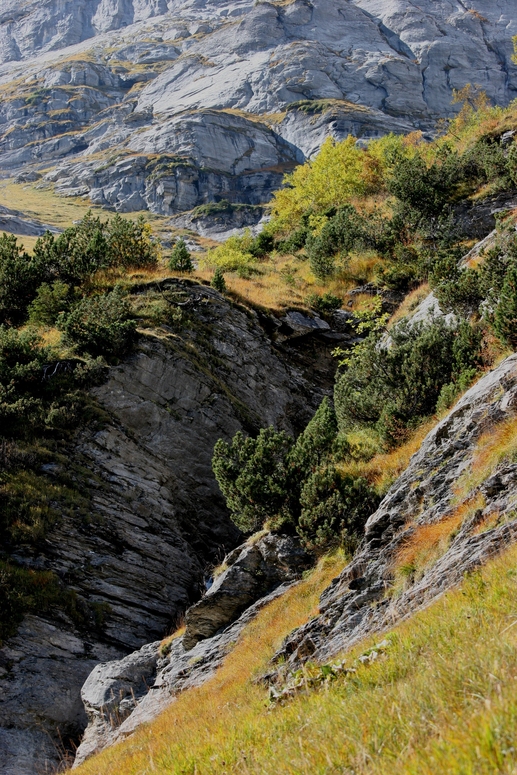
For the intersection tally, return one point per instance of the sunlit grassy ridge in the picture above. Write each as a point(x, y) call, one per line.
point(442, 699)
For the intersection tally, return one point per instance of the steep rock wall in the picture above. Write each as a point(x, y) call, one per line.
point(99, 87)
point(156, 518)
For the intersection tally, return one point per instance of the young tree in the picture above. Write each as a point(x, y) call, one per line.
point(218, 281)
point(180, 260)
point(252, 476)
point(505, 319)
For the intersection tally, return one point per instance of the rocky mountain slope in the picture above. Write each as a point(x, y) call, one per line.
point(444, 492)
point(155, 518)
point(170, 105)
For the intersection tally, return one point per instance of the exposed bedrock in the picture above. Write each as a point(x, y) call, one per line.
point(230, 94)
point(120, 696)
point(434, 488)
point(156, 520)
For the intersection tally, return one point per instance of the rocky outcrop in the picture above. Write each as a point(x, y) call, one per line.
point(121, 695)
point(136, 556)
point(230, 94)
point(367, 597)
point(478, 519)
point(176, 671)
point(15, 222)
point(250, 574)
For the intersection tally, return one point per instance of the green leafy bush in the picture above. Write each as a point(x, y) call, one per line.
point(50, 301)
point(252, 476)
point(100, 325)
point(334, 509)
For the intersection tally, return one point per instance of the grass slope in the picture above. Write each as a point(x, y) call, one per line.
point(442, 699)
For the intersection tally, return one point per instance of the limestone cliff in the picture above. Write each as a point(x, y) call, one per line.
point(167, 105)
point(156, 519)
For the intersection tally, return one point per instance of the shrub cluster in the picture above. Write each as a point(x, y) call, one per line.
point(392, 382)
point(67, 262)
point(293, 485)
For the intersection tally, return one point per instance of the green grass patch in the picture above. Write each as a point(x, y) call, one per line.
point(440, 699)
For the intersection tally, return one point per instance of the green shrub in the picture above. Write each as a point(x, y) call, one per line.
point(392, 383)
point(293, 486)
point(425, 191)
point(100, 325)
point(252, 476)
point(20, 276)
point(92, 245)
point(180, 260)
point(218, 281)
point(505, 318)
point(315, 444)
point(131, 244)
point(324, 304)
point(334, 509)
point(233, 256)
point(50, 301)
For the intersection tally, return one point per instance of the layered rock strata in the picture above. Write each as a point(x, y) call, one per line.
point(169, 105)
point(138, 555)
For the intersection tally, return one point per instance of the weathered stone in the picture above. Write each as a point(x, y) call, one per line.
point(156, 518)
point(252, 574)
point(90, 83)
point(358, 602)
point(176, 671)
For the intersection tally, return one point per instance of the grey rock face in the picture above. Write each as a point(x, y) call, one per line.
point(99, 87)
point(15, 222)
point(156, 518)
point(358, 602)
point(176, 671)
point(252, 573)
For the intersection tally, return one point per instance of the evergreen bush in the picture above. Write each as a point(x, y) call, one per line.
point(100, 325)
point(180, 260)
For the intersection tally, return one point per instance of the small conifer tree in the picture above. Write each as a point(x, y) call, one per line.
point(218, 281)
point(505, 322)
point(180, 260)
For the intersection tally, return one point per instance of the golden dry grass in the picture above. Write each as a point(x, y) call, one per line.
point(442, 699)
point(410, 303)
point(209, 712)
point(43, 204)
point(429, 542)
point(495, 445)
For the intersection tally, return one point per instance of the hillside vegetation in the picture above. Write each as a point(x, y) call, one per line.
point(393, 204)
point(437, 694)
point(384, 217)
point(383, 214)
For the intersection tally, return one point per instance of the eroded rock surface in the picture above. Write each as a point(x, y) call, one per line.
point(168, 105)
point(434, 488)
point(119, 696)
point(155, 519)
point(251, 573)
point(176, 670)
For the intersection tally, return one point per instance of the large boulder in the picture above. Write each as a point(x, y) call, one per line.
point(254, 570)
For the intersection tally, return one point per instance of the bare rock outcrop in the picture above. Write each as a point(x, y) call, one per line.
point(136, 556)
point(479, 518)
point(251, 574)
point(119, 696)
